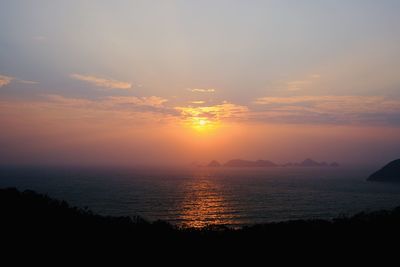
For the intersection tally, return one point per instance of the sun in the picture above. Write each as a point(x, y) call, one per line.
point(202, 124)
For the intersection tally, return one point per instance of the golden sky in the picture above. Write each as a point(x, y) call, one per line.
point(171, 82)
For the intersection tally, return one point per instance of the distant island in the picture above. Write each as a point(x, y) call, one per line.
point(312, 163)
point(214, 163)
point(267, 163)
point(389, 173)
point(248, 163)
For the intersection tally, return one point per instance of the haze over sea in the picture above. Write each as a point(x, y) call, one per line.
point(196, 197)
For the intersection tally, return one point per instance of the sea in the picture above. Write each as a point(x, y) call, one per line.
point(200, 196)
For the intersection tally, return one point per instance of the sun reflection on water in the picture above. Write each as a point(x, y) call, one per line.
point(205, 203)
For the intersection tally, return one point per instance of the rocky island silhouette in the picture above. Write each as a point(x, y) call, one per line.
point(267, 163)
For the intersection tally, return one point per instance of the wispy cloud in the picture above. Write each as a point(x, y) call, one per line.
point(69, 101)
point(214, 113)
point(201, 90)
point(150, 107)
point(330, 103)
point(126, 111)
point(4, 80)
point(198, 102)
point(302, 84)
point(151, 101)
point(125, 102)
point(329, 108)
point(102, 82)
point(26, 81)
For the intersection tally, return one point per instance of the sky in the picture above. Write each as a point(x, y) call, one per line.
point(174, 82)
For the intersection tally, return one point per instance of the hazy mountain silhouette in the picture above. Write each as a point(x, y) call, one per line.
point(334, 164)
point(389, 173)
point(248, 163)
point(214, 163)
point(311, 163)
point(267, 163)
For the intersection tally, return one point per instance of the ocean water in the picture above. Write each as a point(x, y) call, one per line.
point(197, 197)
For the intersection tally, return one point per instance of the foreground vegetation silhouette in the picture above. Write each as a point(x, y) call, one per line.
point(34, 216)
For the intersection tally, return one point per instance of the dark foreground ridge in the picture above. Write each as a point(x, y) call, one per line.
point(30, 216)
point(389, 173)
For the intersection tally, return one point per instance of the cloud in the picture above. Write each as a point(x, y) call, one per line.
point(302, 84)
point(70, 102)
point(4, 80)
point(120, 102)
point(26, 81)
point(109, 112)
point(326, 109)
point(329, 108)
point(151, 101)
point(152, 104)
point(329, 103)
point(214, 113)
point(201, 90)
point(297, 85)
point(111, 109)
point(102, 82)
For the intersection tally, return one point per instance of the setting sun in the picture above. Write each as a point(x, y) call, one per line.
point(199, 121)
point(202, 124)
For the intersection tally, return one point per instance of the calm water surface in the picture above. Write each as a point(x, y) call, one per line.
point(200, 196)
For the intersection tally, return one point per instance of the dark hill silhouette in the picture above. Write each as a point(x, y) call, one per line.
point(389, 173)
point(32, 221)
point(29, 208)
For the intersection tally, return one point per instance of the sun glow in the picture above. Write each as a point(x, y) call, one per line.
point(208, 118)
point(202, 124)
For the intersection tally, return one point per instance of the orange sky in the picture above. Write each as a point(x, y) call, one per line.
point(76, 133)
point(172, 82)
